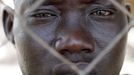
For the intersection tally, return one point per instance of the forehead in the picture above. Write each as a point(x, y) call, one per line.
point(73, 1)
point(24, 4)
point(30, 2)
point(78, 0)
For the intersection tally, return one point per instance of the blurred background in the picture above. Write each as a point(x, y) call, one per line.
point(8, 57)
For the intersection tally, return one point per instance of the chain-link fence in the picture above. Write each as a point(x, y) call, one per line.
point(99, 57)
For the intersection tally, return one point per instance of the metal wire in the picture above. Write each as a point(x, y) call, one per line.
point(98, 58)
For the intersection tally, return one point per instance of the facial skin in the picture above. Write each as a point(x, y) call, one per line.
point(77, 29)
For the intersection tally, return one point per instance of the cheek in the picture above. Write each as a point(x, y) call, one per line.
point(103, 36)
point(25, 40)
point(32, 53)
point(112, 62)
point(25, 44)
point(44, 33)
point(104, 32)
point(29, 47)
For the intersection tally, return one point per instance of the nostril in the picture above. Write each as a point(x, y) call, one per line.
point(64, 51)
point(56, 42)
point(87, 50)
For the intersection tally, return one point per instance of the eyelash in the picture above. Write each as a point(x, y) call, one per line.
point(99, 13)
point(102, 13)
point(43, 15)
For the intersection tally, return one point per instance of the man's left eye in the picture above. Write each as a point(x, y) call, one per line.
point(102, 13)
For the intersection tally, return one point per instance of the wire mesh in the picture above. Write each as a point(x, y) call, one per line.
point(63, 59)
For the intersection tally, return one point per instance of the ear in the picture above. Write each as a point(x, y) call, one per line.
point(7, 19)
point(128, 7)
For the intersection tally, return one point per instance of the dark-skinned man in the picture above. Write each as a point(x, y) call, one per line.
point(78, 29)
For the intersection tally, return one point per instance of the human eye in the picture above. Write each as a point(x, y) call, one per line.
point(102, 13)
point(43, 14)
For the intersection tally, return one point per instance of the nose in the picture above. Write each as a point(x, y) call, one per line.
point(75, 43)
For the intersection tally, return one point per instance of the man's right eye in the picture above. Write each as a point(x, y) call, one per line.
point(43, 15)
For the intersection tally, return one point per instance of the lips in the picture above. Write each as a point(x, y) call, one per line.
point(64, 69)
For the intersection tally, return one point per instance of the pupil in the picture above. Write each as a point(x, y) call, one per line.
point(101, 12)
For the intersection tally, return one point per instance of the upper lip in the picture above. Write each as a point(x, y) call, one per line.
point(64, 69)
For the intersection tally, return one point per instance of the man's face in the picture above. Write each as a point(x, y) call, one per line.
point(78, 29)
